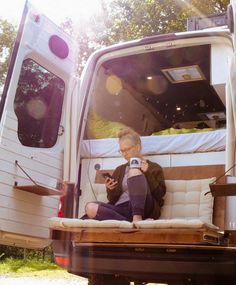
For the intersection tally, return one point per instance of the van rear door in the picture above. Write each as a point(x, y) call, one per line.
point(231, 15)
point(34, 114)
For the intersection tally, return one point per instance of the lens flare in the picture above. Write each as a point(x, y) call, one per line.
point(113, 84)
point(158, 84)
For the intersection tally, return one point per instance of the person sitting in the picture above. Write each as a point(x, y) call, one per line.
point(134, 194)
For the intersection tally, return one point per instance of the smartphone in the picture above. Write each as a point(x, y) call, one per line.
point(106, 175)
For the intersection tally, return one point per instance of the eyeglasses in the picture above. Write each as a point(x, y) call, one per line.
point(124, 150)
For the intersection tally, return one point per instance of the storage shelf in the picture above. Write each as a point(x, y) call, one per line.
point(39, 190)
point(223, 189)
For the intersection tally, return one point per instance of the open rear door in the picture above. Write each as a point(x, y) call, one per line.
point(34, 125)
point(230, 214)
point(231, 18)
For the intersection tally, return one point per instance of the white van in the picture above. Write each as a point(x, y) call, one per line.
point(58, 135)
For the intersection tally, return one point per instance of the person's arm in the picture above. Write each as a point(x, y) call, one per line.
point(114, 194)
point(156, 181)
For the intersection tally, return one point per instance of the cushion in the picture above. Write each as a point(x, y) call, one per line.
point(186, 199)
point(64, 223)
point(56, 222)
point(174, 224)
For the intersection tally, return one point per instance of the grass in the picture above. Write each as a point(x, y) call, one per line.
point(20, 266)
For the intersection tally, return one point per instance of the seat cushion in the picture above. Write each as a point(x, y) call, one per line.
point(174, 224)
point(56, 222)
point(186, 199)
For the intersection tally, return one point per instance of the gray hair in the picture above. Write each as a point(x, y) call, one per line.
point(128, 133)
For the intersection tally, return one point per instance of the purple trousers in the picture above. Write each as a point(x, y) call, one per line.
point(140, 203)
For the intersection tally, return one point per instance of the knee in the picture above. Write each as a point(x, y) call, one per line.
point(134, 172)
point(91, 210)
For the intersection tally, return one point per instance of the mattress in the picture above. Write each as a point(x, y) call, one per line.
point(162, 144)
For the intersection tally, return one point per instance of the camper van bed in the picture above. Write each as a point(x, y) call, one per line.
point(161, 144)
point(188, 215)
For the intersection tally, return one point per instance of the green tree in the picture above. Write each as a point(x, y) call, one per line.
point(7, 37)
point(82, 34)
point(124, 20)
point(120, 20)
point(132, 19)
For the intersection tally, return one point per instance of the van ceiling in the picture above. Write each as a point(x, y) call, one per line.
point(194, 98)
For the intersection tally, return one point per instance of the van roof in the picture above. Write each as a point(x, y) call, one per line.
point(213, 32)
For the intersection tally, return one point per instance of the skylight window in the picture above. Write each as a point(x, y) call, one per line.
point(184, 74)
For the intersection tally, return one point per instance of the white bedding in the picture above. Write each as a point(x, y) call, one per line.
point(163, 144)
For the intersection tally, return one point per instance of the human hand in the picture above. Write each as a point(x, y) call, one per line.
point(111, 183)
point(144, 166)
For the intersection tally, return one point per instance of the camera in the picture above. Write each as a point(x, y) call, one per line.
point(135, 162)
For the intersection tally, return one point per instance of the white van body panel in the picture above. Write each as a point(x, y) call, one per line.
point(23, 215)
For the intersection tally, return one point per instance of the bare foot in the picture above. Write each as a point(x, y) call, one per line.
point(137, 218)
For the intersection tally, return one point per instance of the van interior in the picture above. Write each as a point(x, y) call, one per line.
point(155, 93)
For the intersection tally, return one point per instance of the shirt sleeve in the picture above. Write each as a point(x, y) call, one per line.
point(114, 194)
point(156, 181)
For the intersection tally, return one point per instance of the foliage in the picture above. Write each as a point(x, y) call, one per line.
point(7, 37)
point(29, 265)
point(120, 20)
point(82, 34)
point(124, 20)
point(22, 261)
point(10, 251)
point(21, 253)
point(132, 19)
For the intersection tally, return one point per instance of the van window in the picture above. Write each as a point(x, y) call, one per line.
point(161, 92)
point(38, 105)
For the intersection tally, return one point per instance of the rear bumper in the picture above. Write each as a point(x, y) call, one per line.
point(152, 263)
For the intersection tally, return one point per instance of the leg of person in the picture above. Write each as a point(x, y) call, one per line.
point(102, 211)
point(91, 209)
point(84, 217)
point(124, 209)
point(140, 197)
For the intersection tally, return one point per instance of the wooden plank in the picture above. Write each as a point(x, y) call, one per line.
point(40, 177)
point(232, 238)
point(219, 212)
point(27, 207)
point(24, 229)
point(182, 172)
point(194, 172)
point(223, 189)
point(9, 180)
point(10, 121)
point(12, 145)
point(157, 236)
point(10, 135)
point(20, 217)
point(55, 160)
point(9, 191)
point(39, 190)
point(29, 163)
point(219, 248)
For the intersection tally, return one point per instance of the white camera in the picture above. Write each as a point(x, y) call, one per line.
point(135, 162)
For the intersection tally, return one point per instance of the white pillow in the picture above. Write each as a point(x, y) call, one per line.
point(185, 199)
